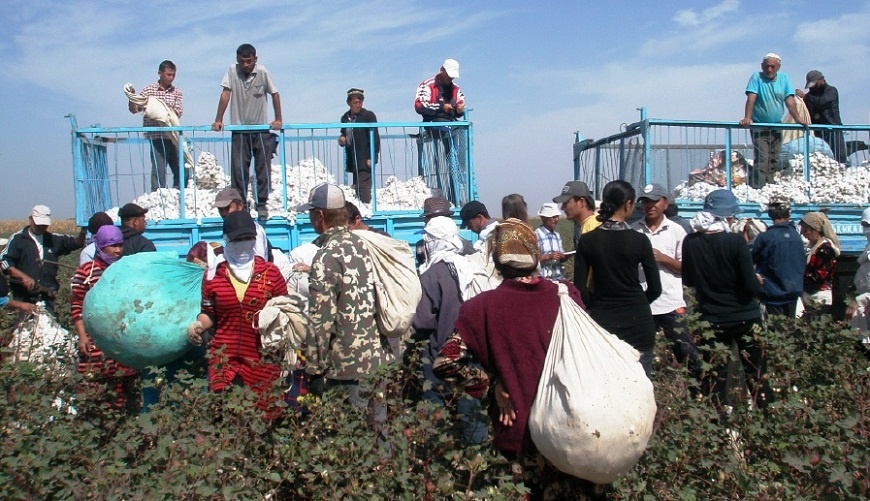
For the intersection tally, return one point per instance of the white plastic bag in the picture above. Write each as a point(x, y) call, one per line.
point(398, 290)
point(593, 414)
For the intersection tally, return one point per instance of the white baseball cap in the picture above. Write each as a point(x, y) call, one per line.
point(41, 215)
point(451, 67)
point(865, 216)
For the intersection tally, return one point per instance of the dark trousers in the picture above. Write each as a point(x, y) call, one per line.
point(788, 309)
point(245, 147)
point(835, 140)
point(445, 163)
point(767, 145)
point(681, 342)
point(362, 179)
point(163, 153)
point(752, 358)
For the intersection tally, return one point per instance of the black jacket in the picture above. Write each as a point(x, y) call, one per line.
point(135, 242)
point(357, 140)
point(21, 252)
point(824, 105)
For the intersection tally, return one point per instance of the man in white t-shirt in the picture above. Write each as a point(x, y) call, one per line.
point(669, 309)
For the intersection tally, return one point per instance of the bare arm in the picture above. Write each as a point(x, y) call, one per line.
point(669, 262)
point(28, 282)
point(276, 103)
point(747, 110)
point(792, 110)
point(218, 124)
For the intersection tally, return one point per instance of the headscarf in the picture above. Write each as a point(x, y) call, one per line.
point(706, 222)
point(108, 235)
point(240, 258)
point(441, 238)
point(515, 245)
point(820, 222)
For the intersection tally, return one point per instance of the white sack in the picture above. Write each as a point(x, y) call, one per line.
point(397, 286)
point(593, 414)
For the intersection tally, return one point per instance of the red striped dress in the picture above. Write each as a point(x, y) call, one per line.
point(95, 365)
point(236, 335)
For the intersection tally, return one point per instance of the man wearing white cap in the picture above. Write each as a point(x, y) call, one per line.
point(550, 242)
point(30, 258)
point(439, 99)
point(766, 93)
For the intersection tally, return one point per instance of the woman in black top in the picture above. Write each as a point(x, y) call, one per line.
point(609, 258)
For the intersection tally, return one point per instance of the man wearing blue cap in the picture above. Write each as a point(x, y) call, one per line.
point(718, 265)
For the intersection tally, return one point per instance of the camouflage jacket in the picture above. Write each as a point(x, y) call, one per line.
point(343, 342)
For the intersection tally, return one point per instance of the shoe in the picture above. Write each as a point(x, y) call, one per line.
point(262, 214)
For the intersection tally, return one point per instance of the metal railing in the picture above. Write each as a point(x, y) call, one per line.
point(112, 165)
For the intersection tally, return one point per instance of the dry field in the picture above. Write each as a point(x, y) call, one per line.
point(10, 226)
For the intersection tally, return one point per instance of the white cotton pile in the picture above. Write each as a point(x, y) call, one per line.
point(830, 183)
point(41, 340)
point(300, 179)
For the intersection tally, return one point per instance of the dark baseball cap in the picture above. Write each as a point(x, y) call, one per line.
point(572, 189)
point(239, 225)
point(227, 196)
point(471, 210)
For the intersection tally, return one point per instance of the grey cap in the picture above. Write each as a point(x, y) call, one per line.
point(813, 77)
point(572, 189)
point(654, 192)
point(324, 196)
point(227, 196)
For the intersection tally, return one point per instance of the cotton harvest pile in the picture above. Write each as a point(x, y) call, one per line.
point(830, 182)
point(299, 179)
point(138, 311)
point(41, 340)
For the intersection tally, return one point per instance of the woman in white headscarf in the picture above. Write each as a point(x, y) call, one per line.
point(232, 294)
point(445, 277)
point(821, 261)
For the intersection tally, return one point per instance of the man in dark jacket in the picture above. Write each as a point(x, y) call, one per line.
point(823, 103)
point(358, 144)
point(30, 258)
point(132, 226)
point(779, 259)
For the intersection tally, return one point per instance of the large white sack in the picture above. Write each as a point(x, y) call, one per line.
point(397, 286)
point(593, 414)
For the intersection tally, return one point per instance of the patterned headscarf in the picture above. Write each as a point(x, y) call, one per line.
point(515, 245)
point(820, 222)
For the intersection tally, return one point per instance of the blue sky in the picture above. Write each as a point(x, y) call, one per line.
point(533, 72)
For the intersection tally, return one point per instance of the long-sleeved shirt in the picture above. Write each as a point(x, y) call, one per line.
point(824, 105)
point(718, 265)
point(36, 260)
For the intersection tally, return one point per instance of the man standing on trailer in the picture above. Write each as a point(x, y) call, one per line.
point(823, 103)
point(163, 150)
point(766, 93)
point(357, 145)
point(248, 83)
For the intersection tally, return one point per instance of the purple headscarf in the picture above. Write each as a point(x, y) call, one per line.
point(106, 236)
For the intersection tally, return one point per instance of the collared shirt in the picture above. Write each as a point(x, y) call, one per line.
point(667, 239)
point(248, 100)
point(171, 97)
point(550, 241)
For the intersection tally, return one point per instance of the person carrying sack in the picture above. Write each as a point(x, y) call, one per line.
point(502, 335)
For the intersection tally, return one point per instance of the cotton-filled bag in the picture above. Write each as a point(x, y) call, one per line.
point(594, 410)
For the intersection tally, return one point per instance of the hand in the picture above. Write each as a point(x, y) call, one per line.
point(799, 93)
point(460, 108)
point(342, 140)
point(368, 163)
point(851, 310)
point(301, 267)
point(28, 308)
point(275, 125)
point(85, 346)
point(746, 122)
point(506, 412)
point(217, 126)
point(194, 333)
point(659, 256)
point(29, 283)
point(760, 278)
point(448, 108)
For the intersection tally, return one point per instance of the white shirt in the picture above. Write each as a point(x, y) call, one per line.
point(667, 239)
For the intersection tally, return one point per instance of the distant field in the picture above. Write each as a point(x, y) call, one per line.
point(10, 226)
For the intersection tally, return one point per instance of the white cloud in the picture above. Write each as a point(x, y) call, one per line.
point(688, 17)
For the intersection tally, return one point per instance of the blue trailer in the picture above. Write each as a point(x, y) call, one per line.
point(667, 151)
point(111, 167)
